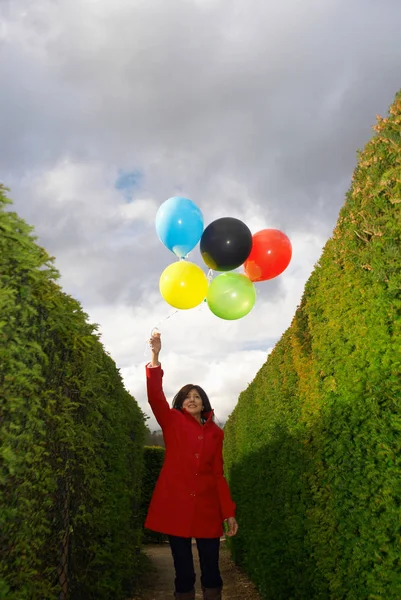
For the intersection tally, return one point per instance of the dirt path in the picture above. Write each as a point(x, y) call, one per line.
point(160, 582)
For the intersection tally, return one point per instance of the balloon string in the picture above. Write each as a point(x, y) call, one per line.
point(155, 329)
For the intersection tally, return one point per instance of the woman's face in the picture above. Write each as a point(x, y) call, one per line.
point(193, 403)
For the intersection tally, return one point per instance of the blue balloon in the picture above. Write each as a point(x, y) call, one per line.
point(179, 225)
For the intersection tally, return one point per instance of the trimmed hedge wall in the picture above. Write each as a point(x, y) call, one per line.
point(313, 448)
point(71, 440)
point(153, 458)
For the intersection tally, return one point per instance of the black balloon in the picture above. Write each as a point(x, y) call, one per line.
point(226, 244)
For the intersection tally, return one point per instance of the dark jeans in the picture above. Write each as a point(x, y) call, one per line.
point(208, 549)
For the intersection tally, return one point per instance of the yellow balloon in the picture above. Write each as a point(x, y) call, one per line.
point(183, 285)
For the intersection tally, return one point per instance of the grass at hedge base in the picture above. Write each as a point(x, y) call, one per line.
point(71, 439)
point(313, 448)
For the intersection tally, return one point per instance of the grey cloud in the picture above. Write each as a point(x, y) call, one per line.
point(274, 96)
point(235, 88)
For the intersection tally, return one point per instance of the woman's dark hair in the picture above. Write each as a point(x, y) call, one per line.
point(183, 393)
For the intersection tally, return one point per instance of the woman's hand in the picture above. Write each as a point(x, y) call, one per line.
point(155, 344)
point(232, 526)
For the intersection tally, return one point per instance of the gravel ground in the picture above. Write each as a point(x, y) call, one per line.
point(159, 584)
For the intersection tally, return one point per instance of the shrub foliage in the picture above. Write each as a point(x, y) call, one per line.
point(313, 448)
point(153, 459)
point(71, 439)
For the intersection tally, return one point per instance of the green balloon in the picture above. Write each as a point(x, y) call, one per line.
point(231, 296)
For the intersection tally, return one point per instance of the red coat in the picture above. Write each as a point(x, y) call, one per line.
point(191, 497)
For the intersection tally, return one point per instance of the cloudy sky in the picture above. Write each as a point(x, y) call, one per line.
point(252, 109)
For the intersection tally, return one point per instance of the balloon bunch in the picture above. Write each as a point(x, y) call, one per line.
point(225, 245)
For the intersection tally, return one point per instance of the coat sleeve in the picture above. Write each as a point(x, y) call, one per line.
point(156, 397)
point(226, 503)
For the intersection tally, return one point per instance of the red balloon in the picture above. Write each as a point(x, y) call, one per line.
point(270, 255)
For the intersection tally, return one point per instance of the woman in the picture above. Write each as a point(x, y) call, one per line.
point(191, 498)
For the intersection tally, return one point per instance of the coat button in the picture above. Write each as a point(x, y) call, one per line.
point(196, 455)
point(200, 437)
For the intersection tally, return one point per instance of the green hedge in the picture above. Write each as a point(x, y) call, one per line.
point(71, 439)
point(313, 448)
point(154, 458)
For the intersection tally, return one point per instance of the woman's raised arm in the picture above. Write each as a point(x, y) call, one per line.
point(154, 384)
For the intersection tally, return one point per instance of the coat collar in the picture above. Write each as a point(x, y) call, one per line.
point(208, 415)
